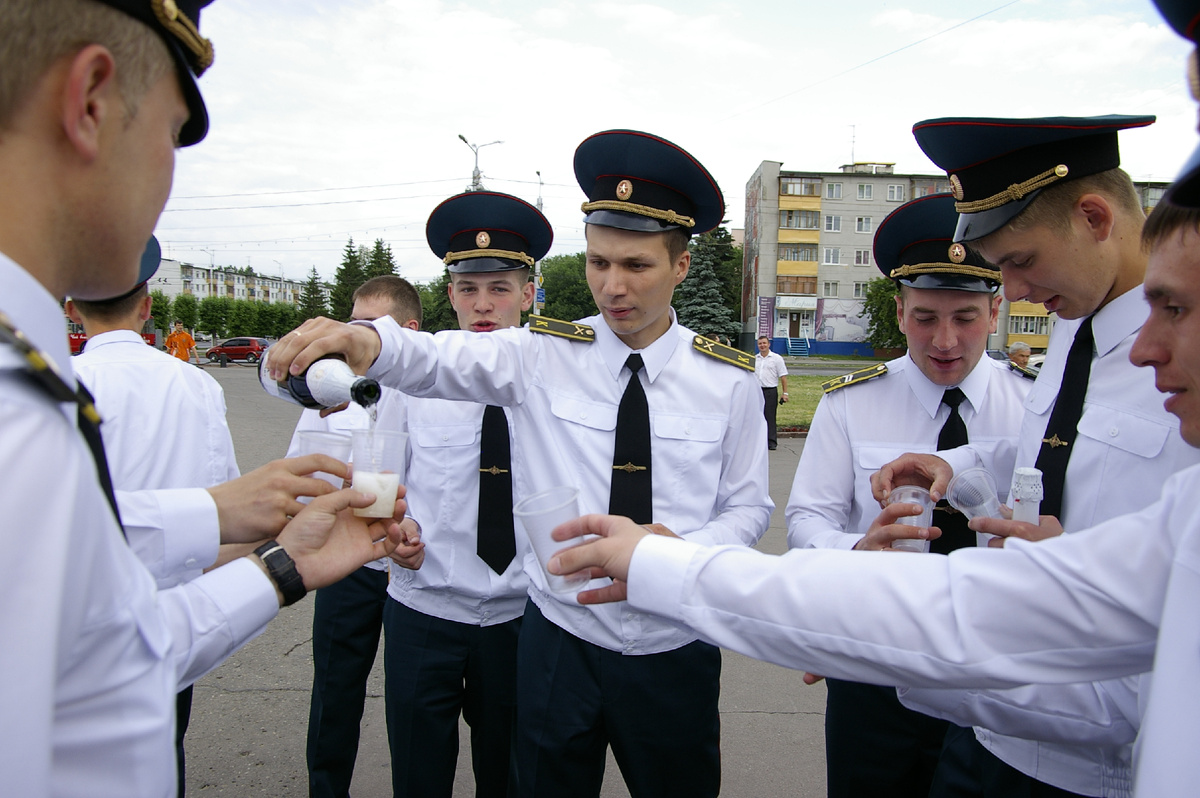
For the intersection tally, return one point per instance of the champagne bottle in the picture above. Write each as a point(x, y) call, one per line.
point(326, 383)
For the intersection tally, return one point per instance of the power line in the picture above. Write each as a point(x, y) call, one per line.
point(871, 61)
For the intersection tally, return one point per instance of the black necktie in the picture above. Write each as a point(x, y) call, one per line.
point(631, 494)
point(955, 533)
point(1062, 428)
point(495, 543)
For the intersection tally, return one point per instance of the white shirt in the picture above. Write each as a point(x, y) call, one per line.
point(1127, 447)
point(769, 369)
point(390, 410)
point(164, 422)
point(857, 429)
point(710, 477)
point(94, 655)
point(453, 583)
point(1115, 601)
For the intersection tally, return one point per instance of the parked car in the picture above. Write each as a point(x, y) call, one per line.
point(248, 349)
point(997, 354)
point(1035, 362)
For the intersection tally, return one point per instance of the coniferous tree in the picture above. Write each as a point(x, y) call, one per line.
point(312, 298)
point(435, 305)
point(380, 261)
point(349, 277)
point(698, 302)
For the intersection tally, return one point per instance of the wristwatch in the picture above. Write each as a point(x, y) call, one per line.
point(282, 569)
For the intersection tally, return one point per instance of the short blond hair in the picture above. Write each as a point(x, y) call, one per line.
point(1052, 207)
point(37, 33)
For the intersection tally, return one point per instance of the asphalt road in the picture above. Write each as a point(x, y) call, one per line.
point(247, 734)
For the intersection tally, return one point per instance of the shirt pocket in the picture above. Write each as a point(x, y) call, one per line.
point(442, 435)
point(581, 413)
point(1134, 435)
point(1040, 398)
point(872, 458)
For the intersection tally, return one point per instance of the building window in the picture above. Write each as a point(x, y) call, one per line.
point(790, 284)
point(833, 256)
point(862, 224)
point(1153, 195)
point(829, 289)
point(802, 186)
point(895, 192)
point(797, 252)
point(799, 220)
point(833, 224)
point(860, 290)
point(1028, 325)
point(862, 257)
point(833, 191)
point(864, 191)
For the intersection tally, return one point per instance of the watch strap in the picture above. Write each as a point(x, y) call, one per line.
point(282, 569)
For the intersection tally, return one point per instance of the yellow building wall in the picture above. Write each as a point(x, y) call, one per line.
point(1036, 342)
point(799, 202)
point(789, 236)
point(796, 268)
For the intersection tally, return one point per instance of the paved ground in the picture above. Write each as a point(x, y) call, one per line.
point(247, 735)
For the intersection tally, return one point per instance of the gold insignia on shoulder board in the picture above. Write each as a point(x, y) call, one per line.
point(624, 190)
point(483, 240)
point(958, 253)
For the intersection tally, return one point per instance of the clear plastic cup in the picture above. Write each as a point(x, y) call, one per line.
point(538, 515)
point(334, 444)
point(379, 458)
point(913, 494)
point(973, 493)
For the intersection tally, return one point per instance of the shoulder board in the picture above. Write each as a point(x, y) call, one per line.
point(854, 377)
point(562, 329)
point(726, 354)
point(1028, 374)
point(43, 371)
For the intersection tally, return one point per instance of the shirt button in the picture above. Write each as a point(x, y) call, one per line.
point(1112, 433)
point(583, 415)
point(687, 430)
point(191, 562)
point(445, 437)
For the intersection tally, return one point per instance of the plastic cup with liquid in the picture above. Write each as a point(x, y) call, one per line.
point(913, 494)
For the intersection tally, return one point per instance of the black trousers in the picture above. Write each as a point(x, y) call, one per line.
point(876, 746)
point(436, 669)
point(657, 711)
point(347, 619)
point(183, 715)
point(770, 408)
point(968, 770)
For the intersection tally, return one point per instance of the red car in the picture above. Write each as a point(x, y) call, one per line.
point(248, 349)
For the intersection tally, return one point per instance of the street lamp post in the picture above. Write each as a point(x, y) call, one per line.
point(476, 175)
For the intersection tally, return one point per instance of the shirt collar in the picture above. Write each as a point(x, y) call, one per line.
point(37, 314)
point(929, 393)
point(614, 351)
point(1119, 319)
point(112, 337)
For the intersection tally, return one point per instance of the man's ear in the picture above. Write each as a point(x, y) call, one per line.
point(147, 304)
point(1097, 214)
point(73, 312)
point(682, 266)
point(528, 292)
point(90, 99)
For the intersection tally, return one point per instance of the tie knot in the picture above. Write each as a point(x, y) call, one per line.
point(953, 397)
point(634, 363)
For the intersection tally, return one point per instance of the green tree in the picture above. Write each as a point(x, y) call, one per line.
point(698, 301)
point(266, 317)
point(185, 309)
point(349, 277)
point(242, 316)
point(879, 309)
point(567, 294)
point(435, 305)
point(214, 315)
point(727, 265)
point(160, 309)
point(287, 318)
point(380, 261)
point(312, 298)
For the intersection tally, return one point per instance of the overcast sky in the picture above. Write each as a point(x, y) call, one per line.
point(339, 118)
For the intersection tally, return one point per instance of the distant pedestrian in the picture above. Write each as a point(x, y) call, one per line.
point(1019, 353)
point(771, 372)
point(180, 344)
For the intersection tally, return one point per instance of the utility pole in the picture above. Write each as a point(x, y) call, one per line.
point(539, 296)
point(476, 175)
